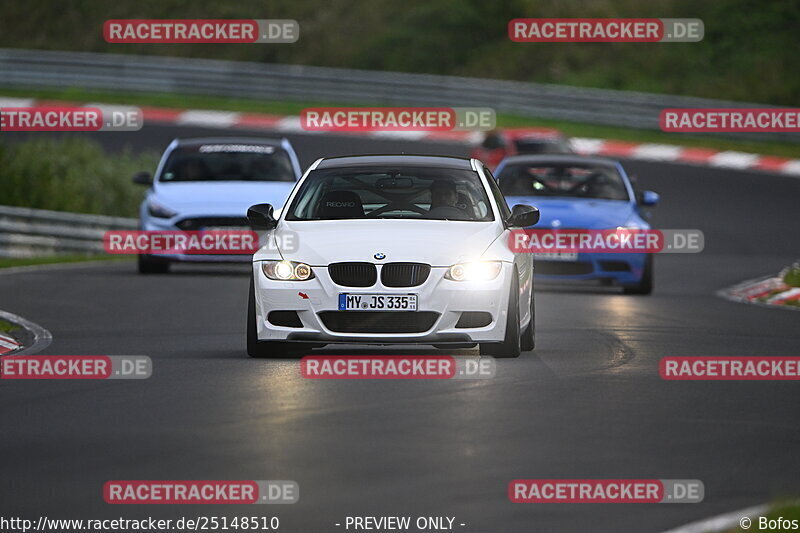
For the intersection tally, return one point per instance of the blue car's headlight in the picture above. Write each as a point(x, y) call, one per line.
point(633, 223)
point(157, 210)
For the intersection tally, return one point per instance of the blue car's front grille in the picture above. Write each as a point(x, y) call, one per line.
point(563, 268)
point(615, 266)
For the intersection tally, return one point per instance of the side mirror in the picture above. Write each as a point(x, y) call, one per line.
point(143, 178)
point(260, 217)
point(648, 198)
point(523, 216)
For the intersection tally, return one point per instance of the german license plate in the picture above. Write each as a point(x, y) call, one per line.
point(557, 256)
point(377, 302)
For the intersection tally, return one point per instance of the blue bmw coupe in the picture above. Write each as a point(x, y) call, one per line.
point(575, 192)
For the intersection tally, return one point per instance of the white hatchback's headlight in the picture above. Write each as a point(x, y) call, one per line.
point(159, 211)
point(286, 270)
point(474, 271)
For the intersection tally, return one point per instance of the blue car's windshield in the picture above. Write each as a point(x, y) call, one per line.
point(565, 179)
point(228, 162)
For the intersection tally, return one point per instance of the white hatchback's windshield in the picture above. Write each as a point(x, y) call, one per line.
point(382, 192)
point(228, 162)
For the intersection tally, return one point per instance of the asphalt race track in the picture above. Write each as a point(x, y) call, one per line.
point(589, 403)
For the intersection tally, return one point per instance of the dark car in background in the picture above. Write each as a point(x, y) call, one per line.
point(501, 143)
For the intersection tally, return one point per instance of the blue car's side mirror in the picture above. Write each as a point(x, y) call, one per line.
point(648, 198)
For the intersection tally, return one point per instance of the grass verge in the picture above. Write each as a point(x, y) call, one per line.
point(781, 511)
point(572, 129)
point(72, 174)
point(791, 275)
point(7, 327)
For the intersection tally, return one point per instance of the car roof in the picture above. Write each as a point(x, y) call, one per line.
point(560, 158)
point(437, 161)
point(198, 141)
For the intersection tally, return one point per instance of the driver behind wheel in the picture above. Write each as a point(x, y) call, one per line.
point(443, 201)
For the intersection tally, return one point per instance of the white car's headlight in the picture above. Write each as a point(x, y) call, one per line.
point(159, 211)
point(286, 270)
point(474, 271)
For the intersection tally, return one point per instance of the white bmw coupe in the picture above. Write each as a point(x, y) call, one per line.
point(391, 249)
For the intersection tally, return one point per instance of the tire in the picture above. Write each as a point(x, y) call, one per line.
point(645, 285)
point(511, 346)
point(262, 349)
point(528, 340)
point(147, 265)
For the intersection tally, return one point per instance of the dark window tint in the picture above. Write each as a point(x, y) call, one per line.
point(399, 192)
point(564, 179)
point(228, 162)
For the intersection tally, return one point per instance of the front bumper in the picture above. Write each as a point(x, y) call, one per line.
point(447, 299)
point(620, 268)
point(150, 223)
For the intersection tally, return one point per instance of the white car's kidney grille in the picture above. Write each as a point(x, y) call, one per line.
point(353, 274)
point(404, 274)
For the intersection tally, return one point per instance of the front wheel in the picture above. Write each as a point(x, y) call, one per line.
point(148, 265)
point(511, 346)
point(528, 341)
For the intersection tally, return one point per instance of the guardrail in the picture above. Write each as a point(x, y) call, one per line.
point(132, 73)
point(26, 232)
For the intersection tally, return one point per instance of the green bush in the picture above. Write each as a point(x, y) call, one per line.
point(71, 174)
point(749, 51)
point(791, 275)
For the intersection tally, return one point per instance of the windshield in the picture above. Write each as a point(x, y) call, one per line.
point(228, 162)
point(405, 192)
point(567, 179)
